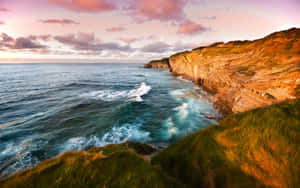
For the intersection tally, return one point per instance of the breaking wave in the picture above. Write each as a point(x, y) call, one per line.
point(183, 79)
point(112, 95)
point(117, 135)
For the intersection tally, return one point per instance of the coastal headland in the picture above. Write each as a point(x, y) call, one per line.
point(243, 75)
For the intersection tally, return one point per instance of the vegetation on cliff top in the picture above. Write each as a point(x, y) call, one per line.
point(258, 148)
point(160, 64)
point(111, 166)
point(252, 149)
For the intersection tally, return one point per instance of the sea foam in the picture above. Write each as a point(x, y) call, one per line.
point(116, 135)
point(112, 95)
point(141, 90)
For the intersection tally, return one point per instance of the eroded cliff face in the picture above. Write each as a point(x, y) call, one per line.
point(158, 64)
point(243, 75)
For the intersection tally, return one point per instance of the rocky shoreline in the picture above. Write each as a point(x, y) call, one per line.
point(243, 75)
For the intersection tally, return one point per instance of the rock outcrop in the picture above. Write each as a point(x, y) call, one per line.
point(158, 64)
point(244, 75)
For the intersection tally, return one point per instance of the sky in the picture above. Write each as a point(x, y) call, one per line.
point(132, 30)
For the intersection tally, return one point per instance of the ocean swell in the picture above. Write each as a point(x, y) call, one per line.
point(117, 135)
point(113, 95)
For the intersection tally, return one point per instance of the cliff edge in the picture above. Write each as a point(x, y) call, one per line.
point(244, 75)
point(158, 64)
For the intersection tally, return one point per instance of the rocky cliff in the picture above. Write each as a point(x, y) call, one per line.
point(243, 75)
point(158, 64)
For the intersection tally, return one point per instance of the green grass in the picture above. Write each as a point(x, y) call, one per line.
point(111, 166)
point(252, 149)
point(164, 60)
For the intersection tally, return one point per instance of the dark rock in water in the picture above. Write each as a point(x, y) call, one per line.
point(212, 117)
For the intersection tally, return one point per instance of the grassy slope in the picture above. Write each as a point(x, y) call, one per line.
point(255, 148)
point(112, 166)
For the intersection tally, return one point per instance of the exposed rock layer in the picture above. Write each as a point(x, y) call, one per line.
point(243, 75)
point(158, 64)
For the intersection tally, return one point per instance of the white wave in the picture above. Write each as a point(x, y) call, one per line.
point(172, 130)
point(183, 79)
point(137, 93)
point(111, 95)
point(178, 93)
point(169, 129)
point(117, 135)
point(126, 132)
point(106, 95)
point(76, 143)
point(10, 149)
point(182, 111)
point(24, 160)
point(22, 153)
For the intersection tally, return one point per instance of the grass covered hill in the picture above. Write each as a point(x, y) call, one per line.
point(257, 148)
point(112, 166)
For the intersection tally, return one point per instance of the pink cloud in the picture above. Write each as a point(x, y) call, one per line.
point(21, 43)
point(188, 27)
point(162, 10)
point(85, 5)
point(156, 47)
point(128, 40)
point(140, 10)
point(3, 9)
point(87, 42)
point(45, 37)
point(2, 22)
point(116, 29)
point(58, 21)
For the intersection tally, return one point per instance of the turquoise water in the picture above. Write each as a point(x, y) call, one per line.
point(46, 109)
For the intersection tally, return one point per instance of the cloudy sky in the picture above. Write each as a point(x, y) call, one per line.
point(132, 30)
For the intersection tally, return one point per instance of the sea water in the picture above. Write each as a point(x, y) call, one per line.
point(47, 109)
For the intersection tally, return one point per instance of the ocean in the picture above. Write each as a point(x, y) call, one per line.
point(47, 109)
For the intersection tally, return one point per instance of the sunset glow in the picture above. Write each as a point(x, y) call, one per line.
point(132, 30)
